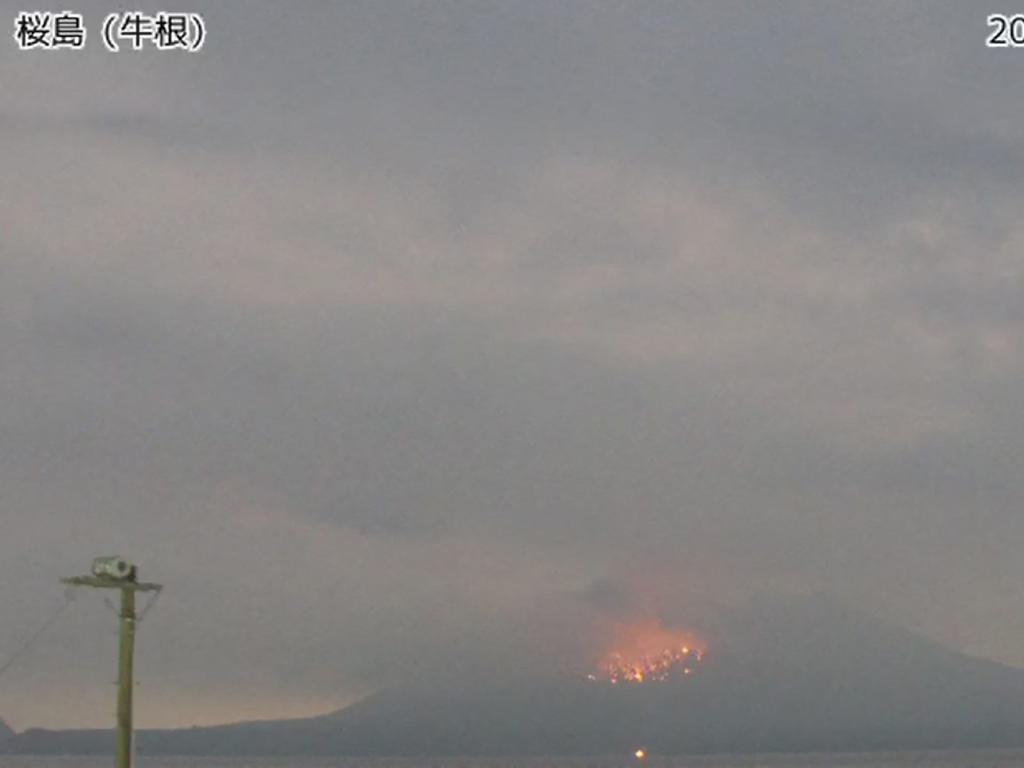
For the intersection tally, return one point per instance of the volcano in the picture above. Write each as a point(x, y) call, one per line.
point(782, 675)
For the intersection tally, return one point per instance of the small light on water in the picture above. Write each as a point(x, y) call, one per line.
point(640, 754)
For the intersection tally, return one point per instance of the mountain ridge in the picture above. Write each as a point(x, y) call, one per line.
point(778, 677)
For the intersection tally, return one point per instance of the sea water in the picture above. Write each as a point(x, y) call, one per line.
point(958, 759)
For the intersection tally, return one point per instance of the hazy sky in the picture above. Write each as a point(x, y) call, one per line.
point(403, 336)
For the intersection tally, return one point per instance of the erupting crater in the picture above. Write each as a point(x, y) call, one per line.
point(648, 652)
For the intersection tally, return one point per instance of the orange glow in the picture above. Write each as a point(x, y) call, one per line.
point(649, 652)
point(640, 754)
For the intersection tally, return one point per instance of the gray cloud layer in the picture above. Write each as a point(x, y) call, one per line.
point(399, 336)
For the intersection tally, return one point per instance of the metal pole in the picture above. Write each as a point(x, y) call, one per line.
point(118, 573)
point(125, 682)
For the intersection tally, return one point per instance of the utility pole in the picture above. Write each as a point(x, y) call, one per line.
point(119, 573)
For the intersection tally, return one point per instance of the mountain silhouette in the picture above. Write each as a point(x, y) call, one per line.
point(780, 675)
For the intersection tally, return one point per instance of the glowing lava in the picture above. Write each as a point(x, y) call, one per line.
point(648, 652)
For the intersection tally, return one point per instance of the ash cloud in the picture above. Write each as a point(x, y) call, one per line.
point(397, 340)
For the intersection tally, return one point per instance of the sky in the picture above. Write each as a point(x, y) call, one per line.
point(397, 338)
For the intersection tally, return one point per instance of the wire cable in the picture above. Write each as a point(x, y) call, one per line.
point(28, 644)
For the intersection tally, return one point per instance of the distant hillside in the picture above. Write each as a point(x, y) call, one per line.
point(782, 676)
point(5, 731)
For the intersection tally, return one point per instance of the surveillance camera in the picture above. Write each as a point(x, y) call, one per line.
point(113, 567)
